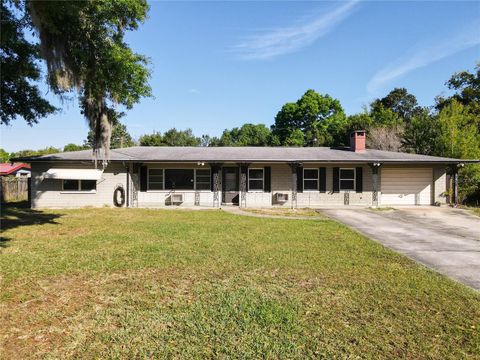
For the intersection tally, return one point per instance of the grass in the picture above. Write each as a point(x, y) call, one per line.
point(138, 283)
point(385, 208)
point(301, 212)
point(474, 210)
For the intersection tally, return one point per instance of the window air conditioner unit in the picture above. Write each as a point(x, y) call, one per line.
point(176, 199)
point(281, 198)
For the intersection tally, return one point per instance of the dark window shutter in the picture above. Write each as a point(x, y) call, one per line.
point(237, 176)
point(336, 178)
point(359, 179)
point(223, 179)
point(267, 175)
point(143, 178)
point(322, 179)
point(212, 171)
point(300, 179)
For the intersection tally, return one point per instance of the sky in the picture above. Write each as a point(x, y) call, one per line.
point(220, 64)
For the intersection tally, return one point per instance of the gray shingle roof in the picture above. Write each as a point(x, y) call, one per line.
point(245, 154)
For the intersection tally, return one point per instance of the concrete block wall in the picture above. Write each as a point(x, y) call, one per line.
point(439, 185)
point(48, 193)
point(282, 182)
point(159, 198)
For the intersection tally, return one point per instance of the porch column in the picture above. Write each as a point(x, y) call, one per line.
point(215, 186)
point(294, 166)
point(375, 167)
point(455, 187)
point(243, 184)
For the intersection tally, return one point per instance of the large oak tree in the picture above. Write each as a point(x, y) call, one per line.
point(20, 97)
point(82, 43)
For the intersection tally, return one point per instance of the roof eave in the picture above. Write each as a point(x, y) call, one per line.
point(366, 161)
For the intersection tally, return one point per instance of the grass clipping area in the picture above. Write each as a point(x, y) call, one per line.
point(138, 283)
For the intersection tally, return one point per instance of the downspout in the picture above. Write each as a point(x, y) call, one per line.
point(127, 184)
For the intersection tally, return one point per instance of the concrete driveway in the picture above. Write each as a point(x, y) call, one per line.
point(444, 239)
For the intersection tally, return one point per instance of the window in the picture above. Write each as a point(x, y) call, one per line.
point(347, 179)
point(202, 179)
point(255, 179)
point(155, 179)
point(80, 185)
point(310, 179)
point(179, 179)
point(88, 185)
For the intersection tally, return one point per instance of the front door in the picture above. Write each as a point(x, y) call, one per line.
point(230, 180)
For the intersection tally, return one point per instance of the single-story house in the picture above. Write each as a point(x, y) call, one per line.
point(18, 170)
point(244, 176)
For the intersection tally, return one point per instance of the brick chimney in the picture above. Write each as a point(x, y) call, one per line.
point(357, 140)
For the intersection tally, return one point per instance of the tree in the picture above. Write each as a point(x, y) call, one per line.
point(420, 136)
point(467, 90)
point(45, 151)
point(19, 97)
point(320, 118)
point(154, 139)
point(400, 102)
point(384, 138)
point(295, 138)
point(246, 135)
point(361, 121)
point(172, 137)
point(83, 45)
point(207, 140)
point(459, 138)
point(120, 137)
point(4, 156)
point(75, 147)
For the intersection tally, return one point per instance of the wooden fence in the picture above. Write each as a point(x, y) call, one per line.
point(14, 188)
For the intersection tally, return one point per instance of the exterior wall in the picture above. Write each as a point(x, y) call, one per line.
point(439, 185)
point(281, 177)
point(48, 193)
point(282, 183)
point(159, 198)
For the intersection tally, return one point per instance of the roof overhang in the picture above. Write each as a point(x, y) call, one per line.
point(73, 174)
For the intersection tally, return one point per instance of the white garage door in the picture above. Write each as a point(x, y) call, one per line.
point(406, 186)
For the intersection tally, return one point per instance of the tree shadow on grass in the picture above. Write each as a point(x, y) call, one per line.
point(19, 214)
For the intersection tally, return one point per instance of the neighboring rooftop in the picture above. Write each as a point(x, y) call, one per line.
point(245, 154)
point(7, 169)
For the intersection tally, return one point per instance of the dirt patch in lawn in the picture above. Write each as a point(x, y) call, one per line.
point(302, 212)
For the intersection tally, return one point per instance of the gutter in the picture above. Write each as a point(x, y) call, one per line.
point(366, 161)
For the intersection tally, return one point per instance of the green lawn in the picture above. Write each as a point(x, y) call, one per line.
point(475, 210)
point(137, 283)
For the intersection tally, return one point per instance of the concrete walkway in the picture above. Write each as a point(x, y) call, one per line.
point(444, 239)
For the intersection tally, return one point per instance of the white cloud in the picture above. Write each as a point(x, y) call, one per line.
point(193, 91)
point(424, 55)
point(286, 40)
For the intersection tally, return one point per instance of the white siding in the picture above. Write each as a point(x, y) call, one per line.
point(406, 186)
